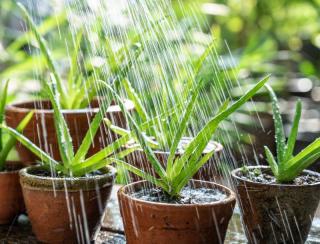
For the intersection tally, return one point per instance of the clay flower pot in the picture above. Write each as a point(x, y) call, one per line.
point(65, 210)
point(11, 199)
point(41, 129)
point(208, 172)
point(276, 213)
point(152, 222)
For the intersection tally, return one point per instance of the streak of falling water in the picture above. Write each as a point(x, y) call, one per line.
point(161, 72)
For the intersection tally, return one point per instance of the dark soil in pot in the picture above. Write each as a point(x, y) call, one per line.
point(208, 172)
point(149, 216)
point(41, 129)
point(11, 199)
point(276, 213)
point(65, 210)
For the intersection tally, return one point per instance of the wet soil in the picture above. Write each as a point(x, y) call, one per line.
point(188, 195)
point(265, 177)
point(47, 173)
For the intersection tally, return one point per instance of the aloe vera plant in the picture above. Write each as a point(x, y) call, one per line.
point(286, 167)
point(72, 92)
point(6, 147)
point(179, 170)
point(73, 164)
point(159, 129)
point(79, 90)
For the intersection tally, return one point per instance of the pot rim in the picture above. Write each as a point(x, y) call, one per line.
point(24, 172)
point(59, 183)
point(235, 176)
point(231, 196)
point(18, 108)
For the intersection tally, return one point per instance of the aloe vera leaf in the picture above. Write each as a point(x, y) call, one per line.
point(74, 62)
point(183, 123)
point(204, 136)
point(313, 148)
point(279, 131)
point(123, 132)
point(272, 162)
point(3, 101)
point(294, 170)
point(63, 135)
point(87, 92)
point(105, 152)
point(142, 174)
point(133, 96)
point(190, 171)
point(45, 158)
point(86, 167)
point(12, 140)
point(150, 155)
point(294, 132)
point(111, 56)
point(197, 150)
point(89, 137)
point(182, 163)
point(45, 50)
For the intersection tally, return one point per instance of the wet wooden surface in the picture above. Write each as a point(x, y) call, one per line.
point(111, 230)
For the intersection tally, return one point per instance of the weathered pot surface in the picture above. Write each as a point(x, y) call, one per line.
point(65, 210)
point(276, 213)
point(41, 129)
point(208, 172)
point(153, 222)
point(11, 199)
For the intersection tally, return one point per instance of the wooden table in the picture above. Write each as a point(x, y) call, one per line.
point(111, 229)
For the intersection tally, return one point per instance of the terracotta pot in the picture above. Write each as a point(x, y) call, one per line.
point(41, 129)
point(276, 213)
point(208, 172)
point(65, 210)
point(158, 223)
point(11, 199)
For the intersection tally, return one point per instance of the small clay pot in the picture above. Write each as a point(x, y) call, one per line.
point(65, 210)
point(276, 213)
point(41, 129)
point(208, 172)
point(11, 199)
point(150, 222)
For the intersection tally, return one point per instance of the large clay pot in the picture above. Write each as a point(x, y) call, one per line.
point(65, 210)
point(11, 199)
point(208, 172)
point(157, 223)
point(41, 129)
point(276, 213)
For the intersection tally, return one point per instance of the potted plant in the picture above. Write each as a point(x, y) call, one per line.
point(171, 207)
point(11, 200)
point(78, 99)
point(160, 131)
point(65, 199)
point(278, 202)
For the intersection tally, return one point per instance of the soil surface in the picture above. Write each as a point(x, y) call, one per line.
point(256, 175)
point(46, 173)
point(188, 195)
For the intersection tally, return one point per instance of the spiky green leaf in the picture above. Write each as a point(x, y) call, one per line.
point(278, 125)
point(294, 132)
